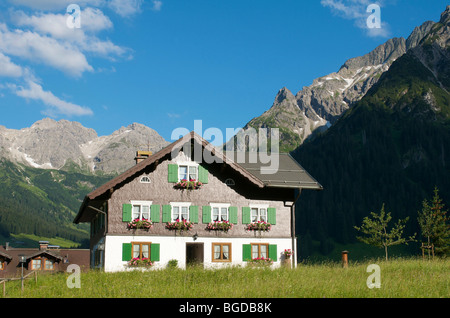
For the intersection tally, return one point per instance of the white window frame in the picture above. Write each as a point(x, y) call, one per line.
point(188, 165)
point(145, 179)
point(140, 204)
point(220, 206)
point(179, 205)
point(259, 214)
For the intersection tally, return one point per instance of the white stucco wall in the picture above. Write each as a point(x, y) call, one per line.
point(174, 247)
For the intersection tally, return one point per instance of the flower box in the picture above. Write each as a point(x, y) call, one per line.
point(140, 224)
point(219, 226)
point(259, 226)
point(191, 184)
point(180, 225)
point(261, 262)
point(140, 262)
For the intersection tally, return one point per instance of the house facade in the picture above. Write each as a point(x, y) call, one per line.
point(45, 259)
point(231, 215)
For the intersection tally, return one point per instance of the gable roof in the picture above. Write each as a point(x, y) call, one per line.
point(46, 253)
point(288, 175)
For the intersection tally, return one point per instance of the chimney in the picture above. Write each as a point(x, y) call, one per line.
point(43, 245)
point(142, 155)
point(6, 245)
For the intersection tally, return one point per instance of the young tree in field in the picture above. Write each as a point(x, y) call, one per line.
point(434, 224)
point(378, 234)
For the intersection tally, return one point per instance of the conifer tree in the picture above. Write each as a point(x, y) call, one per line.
point(434, 224)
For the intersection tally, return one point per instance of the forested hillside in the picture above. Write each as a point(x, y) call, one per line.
point(43, 202)
point(392, 147)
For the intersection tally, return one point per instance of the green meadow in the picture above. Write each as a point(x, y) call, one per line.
point(399, 278)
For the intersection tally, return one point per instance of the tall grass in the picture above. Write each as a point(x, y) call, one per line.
point(405, 278)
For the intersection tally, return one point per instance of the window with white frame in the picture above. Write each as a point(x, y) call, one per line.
point(145, 179)
point(141, 210)
point(219, 212)
point(180, 211)
point(187, 172)
point(258, 213)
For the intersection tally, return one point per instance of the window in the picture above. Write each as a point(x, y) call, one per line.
point(187, 172)
point(260, 250)
point(258, 213)
point(141, 250)
point(49, 264)
point(141, 210)
point(220, 212)
point(36, 264)
point(180, 211)
point(2, 265)
point(221, 252)
point(230, 182)
point(145, 179)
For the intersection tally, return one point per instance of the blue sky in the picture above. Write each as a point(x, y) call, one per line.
point(166, 63)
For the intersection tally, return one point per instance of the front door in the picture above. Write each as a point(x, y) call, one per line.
point(194, 254)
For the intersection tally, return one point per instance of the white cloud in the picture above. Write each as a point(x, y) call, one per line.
point(43, 49)
point(157, 5)
point(357, 10)
point(56, 105)
point(93, 20)
point(54, 4)
point(8, 68)
point(125, 8)
point(50, 36)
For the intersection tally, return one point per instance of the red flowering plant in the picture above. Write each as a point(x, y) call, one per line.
point(219, 226)
point(183, 225)
point(287, 253)
point(140, 262)
point(188, 184)
point(259, 226)
point(140, 224)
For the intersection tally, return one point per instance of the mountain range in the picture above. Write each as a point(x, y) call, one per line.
point(376, 131)
point(391, 147)
point(319, 105)
point(50, 144)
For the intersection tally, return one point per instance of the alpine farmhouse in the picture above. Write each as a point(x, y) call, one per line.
point(174, 208)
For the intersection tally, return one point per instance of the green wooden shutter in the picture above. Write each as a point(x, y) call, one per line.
point(154, 213)
point(126, 251)
point(206, 214)
point(154, 252)
point(166, 213)
point(202, 174)
point(233, 212)
point(126, 212)
point(246, 215)
point(272, 216)
point(246, 252)
point(193, 213)
point(173, 173)
point(273, 252)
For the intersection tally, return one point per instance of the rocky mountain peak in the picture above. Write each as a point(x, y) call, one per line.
point(322, 103)
point(445, 16)
point(64, 144)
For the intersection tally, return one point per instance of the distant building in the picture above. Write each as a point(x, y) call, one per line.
point(46, 258)
point(234, 215)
